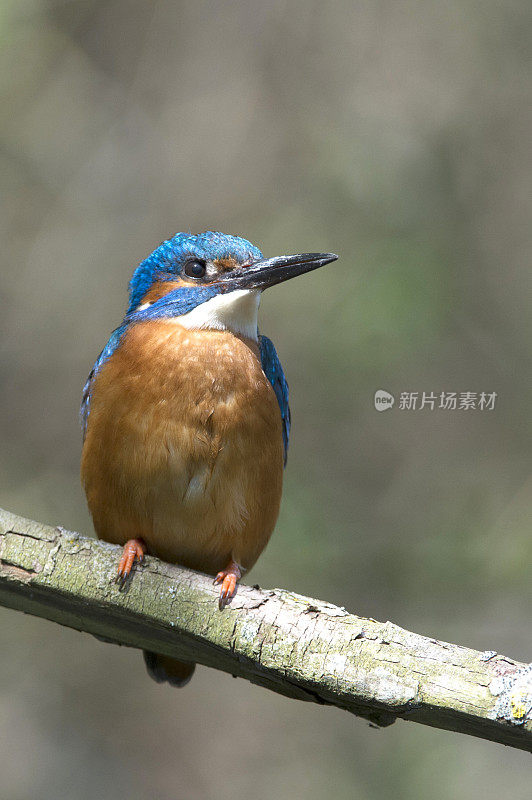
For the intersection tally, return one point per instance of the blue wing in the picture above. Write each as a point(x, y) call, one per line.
point(107, 351)
point(274, 372)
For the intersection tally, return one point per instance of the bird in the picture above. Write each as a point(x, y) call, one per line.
point(185, 416)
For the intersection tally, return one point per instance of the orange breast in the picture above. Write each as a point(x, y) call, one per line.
point(184, 446)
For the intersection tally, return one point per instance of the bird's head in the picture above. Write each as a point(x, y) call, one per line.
point(211, 280)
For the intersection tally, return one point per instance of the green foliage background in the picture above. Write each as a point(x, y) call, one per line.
point(395, 133)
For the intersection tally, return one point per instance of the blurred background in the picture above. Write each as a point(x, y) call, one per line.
point(396, 134)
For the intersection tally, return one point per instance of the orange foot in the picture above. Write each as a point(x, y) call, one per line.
point(229, 578)
point(133, 549)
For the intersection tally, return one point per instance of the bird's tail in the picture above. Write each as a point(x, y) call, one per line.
point(163, 668)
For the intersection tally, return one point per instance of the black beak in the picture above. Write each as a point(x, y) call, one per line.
point(269, 271)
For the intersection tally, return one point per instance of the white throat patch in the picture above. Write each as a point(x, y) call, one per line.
point(236, 311)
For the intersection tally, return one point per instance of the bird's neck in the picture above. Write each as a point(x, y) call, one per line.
point(235, 311)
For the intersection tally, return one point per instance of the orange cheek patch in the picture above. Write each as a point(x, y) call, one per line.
point(225, 264)
point(159, 290)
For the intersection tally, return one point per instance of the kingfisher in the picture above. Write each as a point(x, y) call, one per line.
point(185, 415)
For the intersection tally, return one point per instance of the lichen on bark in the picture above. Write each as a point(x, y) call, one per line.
point(297, 646)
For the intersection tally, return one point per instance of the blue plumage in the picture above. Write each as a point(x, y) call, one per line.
point(106, 353)
point(182, 456)
point(174, 304)
point(165, 263)
point(168, 258)
point(274, 372)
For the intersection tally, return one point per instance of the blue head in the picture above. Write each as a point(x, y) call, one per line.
point(210, 280)
point(168, 261)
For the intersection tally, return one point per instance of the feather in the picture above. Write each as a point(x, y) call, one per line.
point(274, 372)
point(107, 352)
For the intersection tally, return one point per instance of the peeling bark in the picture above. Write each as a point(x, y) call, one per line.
point(299, 647)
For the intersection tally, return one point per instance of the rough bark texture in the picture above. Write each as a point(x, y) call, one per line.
point(294, 645)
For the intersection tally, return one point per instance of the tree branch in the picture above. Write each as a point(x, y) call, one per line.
point(296, 646)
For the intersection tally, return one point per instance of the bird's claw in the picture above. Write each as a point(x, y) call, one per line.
point(134, 550)
point(229, 578)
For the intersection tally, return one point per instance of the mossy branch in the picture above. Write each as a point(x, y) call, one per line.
point(296, 646)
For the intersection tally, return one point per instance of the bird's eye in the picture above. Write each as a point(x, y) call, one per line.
point(195, 268)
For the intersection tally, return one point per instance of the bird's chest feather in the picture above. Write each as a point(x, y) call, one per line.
point(184, 438)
